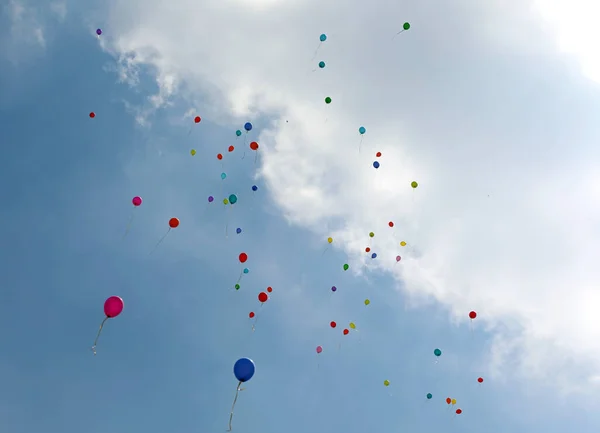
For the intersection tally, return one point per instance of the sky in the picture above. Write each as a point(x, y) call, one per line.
point(491, 108)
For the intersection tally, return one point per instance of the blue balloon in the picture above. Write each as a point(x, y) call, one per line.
point(321, 64)
point(223, 176)
point(238, 230)
point(362, 130)
point(243, 369)
point(232, 198)
point(246, 270)
point(248, 126)
point(376, 164)
point(254, 188)
point(323, 37)
point(374, 255)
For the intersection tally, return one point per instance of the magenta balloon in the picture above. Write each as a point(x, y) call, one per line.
point(136, 200)
point(398, 258)
point(319, 349)
point(113, 306)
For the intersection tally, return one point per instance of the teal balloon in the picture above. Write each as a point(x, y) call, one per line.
point(429, 396)
point(321, 64)
point(223, 176)
point(437, 352)
point(246, 270)
point(362, 130)
point(323, 37)
point(233, 199)
point(238, 132)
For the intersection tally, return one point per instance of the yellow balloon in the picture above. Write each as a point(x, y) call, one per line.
point(367, 302)
point(330, 240)
point(453, 401)
point(414, 184)
point(402, 244)
point(193, 152)
point(225, 201)
point(352, 325)
point(386, 382)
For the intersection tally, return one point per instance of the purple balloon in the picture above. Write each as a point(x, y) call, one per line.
point(333, 288)
point(98, 32)
point(210, 198)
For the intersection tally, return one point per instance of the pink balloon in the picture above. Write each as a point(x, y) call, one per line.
point(319, 349)
point(137, 200)
point(113, 306)
point(398, 258)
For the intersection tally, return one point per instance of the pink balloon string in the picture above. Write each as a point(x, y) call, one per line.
point(237, 392)
point(98, 335)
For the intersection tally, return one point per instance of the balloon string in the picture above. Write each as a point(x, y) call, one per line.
point(397, 34)
point(240, 277)
point(129, 224)
point(256, 318)
point(237, 392)
point(159, 242)
point(98, 335)
point(360, 143)
point(255, 157)
point(316, 51)
point(325, 250)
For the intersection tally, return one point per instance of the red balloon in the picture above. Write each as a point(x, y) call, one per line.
point(254, 145)
point(197, 119)
point(269, 289)
point(472, 315)
point(243, 257)
point(333, 324)
point(448, 400)
point(346, 332)
point(391, 224)
point(263, 297)
point(458, 411)
point(367, 249)
point(174, 223)
point(251, 315)
point(378, 154)
point(92, 115)
point(231, 148)
point(480, 379)
point(219, 156)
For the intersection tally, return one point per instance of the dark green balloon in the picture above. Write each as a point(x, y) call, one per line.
point(328, 100)
point(237, 287)
point(406, 26)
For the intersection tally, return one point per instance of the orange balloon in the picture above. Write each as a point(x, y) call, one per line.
point(367, 249)
point(254, 145)
point(174, 223)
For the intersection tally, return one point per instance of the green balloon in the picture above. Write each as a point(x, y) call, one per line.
point(328, 100)
point(437, 352)
point(237, 287)
point(346, 266)
point(406, 26)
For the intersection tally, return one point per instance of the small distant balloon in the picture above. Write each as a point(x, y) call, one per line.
point(378, 154)
point(263, 297)
point(233, 199)
point(402, 243)
point(243, 369)
point(352, 325)
point(321, 64)
point(248, 126)
point(269, 289)
point(251, 315)
point(346, 266)
point(137, 201)
point(376, 164)
point(319, 349)
point(472, 315)
point(437, 352)
point(223, 176)
point(398, 258)
point(246, 270)
point(243, 257)
point(367, 302)
point(362, 130)
point(231, 148)
point(458, 411)
point(480, 379)
point(367, 249)
point(92, 115)
point(238, 230)
point(374, 255)
point(406, 26)
point(391, 224)
point(254, 188)
point(98, 32)
point(254, 145)
point(333, 288)
point(323, 37)
point(193, 152)
point(414, 184)
point(333, 324)
point(371, 234)
point(328, 100)
point(219, 156)
point(210, 198)
point(238, 133)
point(346, 332)
point(237, 287)
point(453, 401)
point(197, 119)
point(429, 396)
point(225, 201)
point(174, 223)
point(113, 306)
point(448, 400)
point(329, 240)
point(386, 383)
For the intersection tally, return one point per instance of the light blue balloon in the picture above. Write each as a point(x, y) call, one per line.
point(321, 64)
point(223, 176)
point(323, 37)
point(246, 270)
point(362, 130)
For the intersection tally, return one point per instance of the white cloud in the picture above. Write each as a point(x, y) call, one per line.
point(472, 102)
point(25, 25)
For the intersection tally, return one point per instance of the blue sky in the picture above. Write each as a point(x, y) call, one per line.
point(166, 363)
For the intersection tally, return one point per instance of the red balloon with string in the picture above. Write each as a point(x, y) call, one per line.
point(391, 224)
point(263, 297)
point(243, 257)
point(197, 119)
point(346, 332)
point(269, 289)
point(472, 315)
point(219, 156)
point(173, 224)
point(251, 315)
point(480, 379)
point(333, 324)
point(458, 411)
point(231, 148)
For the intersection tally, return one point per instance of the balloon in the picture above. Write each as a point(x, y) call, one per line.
point(367, 302)
point(406, 26)
point(453, 401)
point(333, 324)
point(448, 400)
point(414, 184)
point(319, 349)
point(254, 145)
point(193, 152)
point(367, 249)
point(174, 223)
point(246, 270)
point(362, 130)
point(458, 411)
point(219, 156)
point(197, 119)
point(223, 176)
point(371, 234)
point(92, 115)
point(321, 64)
point(429, 396)
point(269, 289)
point(376, 164)
point(113, 306)
point(402, 244)
point(346, 266)
point(238, 132)
point(398, 258)
point(386, 382)
point(346, 332)
point(263, 297)
point(330, 240)
point(251, 315)
point(137, 200)
point(248, 126)
point(237, 287)
point(238, 230)
point(374, 255)
point(254, 188)
point(328, 100)
point(243, 257)
point(333, 288)
point(480, 379)
point(232, 198)
point(391, 224)
point(352, 325)
point(437, 352)
point(243, 369)
point(378, 154)
point(231, 148)
point(98, 32)
point(323, 37)
point(210, 198)
point(225, 201)
point(472, 315)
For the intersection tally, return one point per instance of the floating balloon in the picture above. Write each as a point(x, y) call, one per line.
point(367, 249)
point(448, 400)
point(374, 255)
point(269, 289)
point(376, 164)
point(197, 119)
point(137, 201)
point(223, 176)
point(246, 270)
point(378, 154)
point(210, 198)
point(405, 27)
point(243, 369)
point(458, 411)
point(398, 258)
point(319, 349)
point(92, 115)
point(362, 130)
point(352, 325)
point(437, 352)
point(238, 230)
point(402, 244)
point(174, 223)
point(254, 145)
point(328, 100)
point(323, 37)
point(453, 401)
point(329, 240)
point(321, 64)
point(263, 297)
point(346, 266)
point(386, 382)
point(248, 126)
point(346, 332)
point(480, 379)
point(333, 288)
point(225, 201)
point(472, 315)
point(193, 152)
point(238, 132)
point(251, 315)
point(429, 396)
point(414, 184)
point(243, 257)
point(367, 302)
point(98, 32)
point(113, 306)
point(391, 224)
point(233, 198)
point(371, 234)
point(254, 188)
point(237, 287)
point(219, 156)
point(333, 324)
point(231, 148)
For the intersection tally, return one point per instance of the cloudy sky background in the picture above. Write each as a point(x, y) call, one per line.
point(491, 108)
